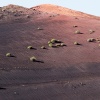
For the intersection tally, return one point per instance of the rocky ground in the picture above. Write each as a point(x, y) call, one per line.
point(66, 48)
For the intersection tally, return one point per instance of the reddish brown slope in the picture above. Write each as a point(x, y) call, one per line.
point(54, 9)
point(65, 72)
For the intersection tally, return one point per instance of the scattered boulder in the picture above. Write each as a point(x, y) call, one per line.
point(77, 32)
point(75, 26)
point(27, 16)
point(29, 47)
point(8, 55)
point(33, 59)
point(91, 40)
point(43, 47)
point(91, 31)
point(50, 45)
point(62, 44)
point(76, 43)
point(40, 28)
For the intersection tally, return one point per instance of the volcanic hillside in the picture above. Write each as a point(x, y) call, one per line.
point(49, 52)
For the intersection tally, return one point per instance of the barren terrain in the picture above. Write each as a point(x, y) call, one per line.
point(68, 72)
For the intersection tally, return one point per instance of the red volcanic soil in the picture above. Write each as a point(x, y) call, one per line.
point(68, 72)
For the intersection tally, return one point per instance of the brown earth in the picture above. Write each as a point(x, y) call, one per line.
point(70, 72)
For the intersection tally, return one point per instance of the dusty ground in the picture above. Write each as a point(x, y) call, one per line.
point(69, 73)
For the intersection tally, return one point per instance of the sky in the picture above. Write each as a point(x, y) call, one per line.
point(86, 6)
